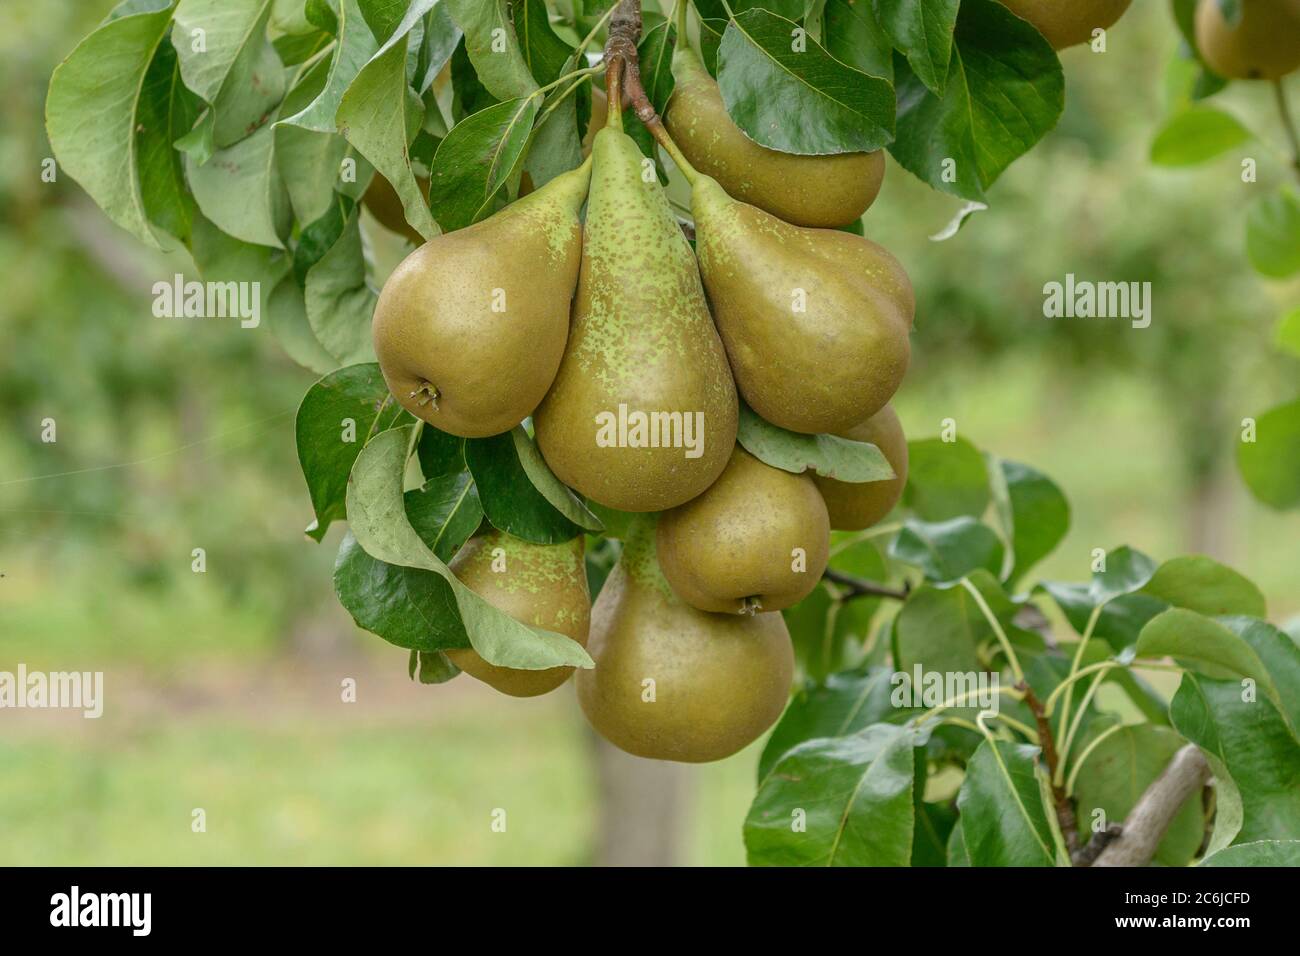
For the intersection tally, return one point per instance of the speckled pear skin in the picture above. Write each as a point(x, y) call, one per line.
point(641, 336)
point(826, 191)
point(1066, 23)
point(733, 547)
point(720, 680)
point(542, 585)
point(435, 322)
point(853, 506)
point(829, 366)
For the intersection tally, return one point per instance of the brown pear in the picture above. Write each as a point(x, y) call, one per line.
point(642, 415)
point(674, 683)
point(541, 585)
point(856, 505)
point(386, 206)
point(828, 191)
point(1066, 23)
point(757, 540)
point(1263, 45)
point(815, 321)
point(470, 327)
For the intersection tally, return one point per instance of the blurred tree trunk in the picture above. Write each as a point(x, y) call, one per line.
point(1212, 515)
point(642, 802)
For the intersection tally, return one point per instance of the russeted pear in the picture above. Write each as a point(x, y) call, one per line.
point(831, 190)
point(542, 585)
point(470, 327)
point(815, 321)
point(1068, 22)
point(674, 683)
point(757, 540)
point(853, 506)
point(1263, 45)
point(642, 415)
point(386, 206)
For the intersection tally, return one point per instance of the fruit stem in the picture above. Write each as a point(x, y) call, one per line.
point(614, 92)
point(1288, 124)
point(681, 9)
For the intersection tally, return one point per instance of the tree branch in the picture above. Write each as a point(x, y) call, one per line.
point(1064, 808)
point(859, 587)
point(1150, 817)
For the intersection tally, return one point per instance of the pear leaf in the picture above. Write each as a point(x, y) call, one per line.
point(828, 455)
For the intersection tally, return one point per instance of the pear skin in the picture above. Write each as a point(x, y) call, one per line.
point(853, 506)
point(757, 540)
point(1264, 45)
point(386, 206)
point(542, 585)
point(641, 344)
point(674, 683)
point(826, 191)
point(815, 321)
point(470, 327)
point(1066, 23)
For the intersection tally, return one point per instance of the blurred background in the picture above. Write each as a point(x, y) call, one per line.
point(223, 688)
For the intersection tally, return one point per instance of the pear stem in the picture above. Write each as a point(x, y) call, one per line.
point(681, 10)
point(1288, 124)
point(614, 92)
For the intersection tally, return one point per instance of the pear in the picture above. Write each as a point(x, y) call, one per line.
point(542, 585)
point(470, 327)
point(1068, 22)
point(757, 540)
point(386, 206)
point(828, 191)
point(856, 505)
point(642, 415)
point(674, 683)
point(815, 321)
point(1264, 45)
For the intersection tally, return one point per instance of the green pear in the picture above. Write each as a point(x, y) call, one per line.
point(1263, 45)
point(642, 415)
point(470, 327)
point(829, 191)
point(674, 683)
point(853, 506)
point(757, 540)
point(1068, 22)
point(541, 585)
point(815, 321)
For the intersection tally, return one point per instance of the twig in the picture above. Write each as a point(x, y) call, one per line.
point(1155, 810)
point(862, 588)
point(1088, 855)
point(1288, 124)
point(1064, 808)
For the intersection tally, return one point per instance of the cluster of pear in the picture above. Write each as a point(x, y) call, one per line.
point(629, 350)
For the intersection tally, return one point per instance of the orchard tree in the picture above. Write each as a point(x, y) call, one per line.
point(580, 384)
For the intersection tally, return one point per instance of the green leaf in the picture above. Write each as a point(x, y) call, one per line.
point(845, 704)
point(286, 314)
point(544, 53)
point(476, 160)
point(764, 82)
point(1126, 570)
point(380, 115)
point(656, 57)
point(1271, 853)
point(445, 512)
point(1270, 465)
point(1202, 584)
point(1280, 655)
point(310, 161)
point(1273, 234)
point(355, 46)
point(1250, 743)
point(948, 550)
point(503, 72)
point(945, 479)
point(226, 58)
point(510, 499)
point(1004, 92)
point(557, 493)
point(440, 453)
point(940, 629)
point(93, 114)
point(819, 649)
point(336, 417)
point(167, 111)
point(852, 35)
point(1003, 819)
point(240, 190)
point(1197, 135)
point(378, 519)
point(1034, 513)
point(1191, 637)
point(922, 30)
point(1118, 772)
point(828, 455)
point(431, 668)
point(340, 302)
point(1121, 620)
point(1287, 335)
point(841, 801)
